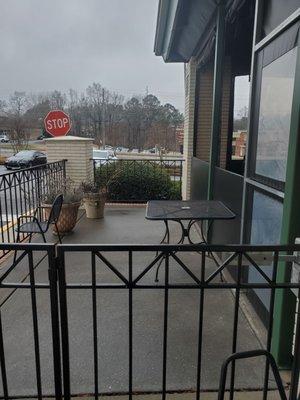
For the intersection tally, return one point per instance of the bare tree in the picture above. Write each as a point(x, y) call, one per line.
point(140, 122)
point(113, 116)
point(17, 106)
point(97, 99)
point(57, 100)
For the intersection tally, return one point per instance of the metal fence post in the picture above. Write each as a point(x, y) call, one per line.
point(64, 169)
point(53, 273)
point(64, 322)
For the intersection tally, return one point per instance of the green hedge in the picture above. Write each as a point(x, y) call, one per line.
point(134, 181)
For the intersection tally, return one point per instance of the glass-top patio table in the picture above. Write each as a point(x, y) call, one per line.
point(190, 211)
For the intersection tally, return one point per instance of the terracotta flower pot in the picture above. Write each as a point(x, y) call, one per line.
point(67, 219)
point(94, 205)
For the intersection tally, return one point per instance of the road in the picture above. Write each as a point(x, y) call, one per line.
point(3, 170)
point(12, 198)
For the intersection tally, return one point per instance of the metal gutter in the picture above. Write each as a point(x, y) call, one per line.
point(161, 25)
point(165, 27)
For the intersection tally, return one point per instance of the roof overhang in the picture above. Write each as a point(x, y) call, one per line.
point(181, 26)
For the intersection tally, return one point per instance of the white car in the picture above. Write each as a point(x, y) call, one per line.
point(103, 156)
point(4, 138)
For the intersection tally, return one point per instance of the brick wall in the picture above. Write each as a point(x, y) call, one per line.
point(189, 113)
point(204, 112)
point(78, 151)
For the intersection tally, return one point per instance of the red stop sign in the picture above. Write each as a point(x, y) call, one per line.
point(57, 123)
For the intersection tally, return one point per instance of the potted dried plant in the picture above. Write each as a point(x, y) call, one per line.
point(94, 198)
point(72, 200)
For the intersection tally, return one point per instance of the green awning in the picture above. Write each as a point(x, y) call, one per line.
point(180, 26)
point(184, 27)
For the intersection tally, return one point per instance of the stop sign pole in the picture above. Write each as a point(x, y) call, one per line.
point(57, 123)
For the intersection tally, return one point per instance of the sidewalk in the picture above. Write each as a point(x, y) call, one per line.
point(128, 225)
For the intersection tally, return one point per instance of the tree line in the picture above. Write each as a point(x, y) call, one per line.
point(138, 122)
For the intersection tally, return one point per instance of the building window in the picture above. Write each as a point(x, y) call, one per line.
point(276, 97)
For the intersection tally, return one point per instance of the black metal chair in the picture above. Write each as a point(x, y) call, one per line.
point(34, 225)
point(249, 354)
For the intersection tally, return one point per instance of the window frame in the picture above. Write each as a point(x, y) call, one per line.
point(251, 181)
point(256, 99)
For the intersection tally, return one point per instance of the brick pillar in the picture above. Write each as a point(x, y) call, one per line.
point(204, 112)
point(77, 151)
point(188, 142)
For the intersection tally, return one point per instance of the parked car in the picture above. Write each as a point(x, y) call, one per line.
point(134, 150)
point(26, 159)
point(4, 138)
point(103, 156)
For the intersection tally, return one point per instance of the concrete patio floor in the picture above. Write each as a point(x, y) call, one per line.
point(126, 225)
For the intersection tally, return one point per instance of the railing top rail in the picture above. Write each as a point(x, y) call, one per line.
point(31, 168)
point(238, 248)
point(137, 159)
point(27, 246)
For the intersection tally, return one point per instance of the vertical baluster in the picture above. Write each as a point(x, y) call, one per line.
point(130, 317)
point(2, 362)
point(270, 325)
point(165, 334)
point(64, 323)
point(95, 328)
point(35, 326)
point(6, 208)
point(55, 323)
point(200, 327)
point(235, 322)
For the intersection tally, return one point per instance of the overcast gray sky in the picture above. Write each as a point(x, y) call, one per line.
point(62, 44)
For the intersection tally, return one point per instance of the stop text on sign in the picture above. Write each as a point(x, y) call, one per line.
point(57, 123)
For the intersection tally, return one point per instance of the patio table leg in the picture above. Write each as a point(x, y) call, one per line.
point(166, 235)
point(184, 233)
point(191, 223)
point(165, 239)
point(204, 241)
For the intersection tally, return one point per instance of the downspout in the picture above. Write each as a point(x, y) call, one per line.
point(217, 97)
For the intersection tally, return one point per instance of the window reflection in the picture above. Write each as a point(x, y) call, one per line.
point(265, 229)
point(275, 116)
point(266, 219)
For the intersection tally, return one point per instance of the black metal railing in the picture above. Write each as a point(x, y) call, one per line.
point(22, 191)
point(139, 180)
point(78, 273)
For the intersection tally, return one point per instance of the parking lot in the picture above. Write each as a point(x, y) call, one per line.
point(3, 170)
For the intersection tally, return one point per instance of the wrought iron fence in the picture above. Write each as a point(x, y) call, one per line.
point(59, 281)
point(139, 180)
point(22, 191)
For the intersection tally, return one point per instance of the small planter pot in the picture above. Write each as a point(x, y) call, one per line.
point(94, 205)
point(67, 219)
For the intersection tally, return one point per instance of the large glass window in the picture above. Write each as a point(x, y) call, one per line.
point(275, 116)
